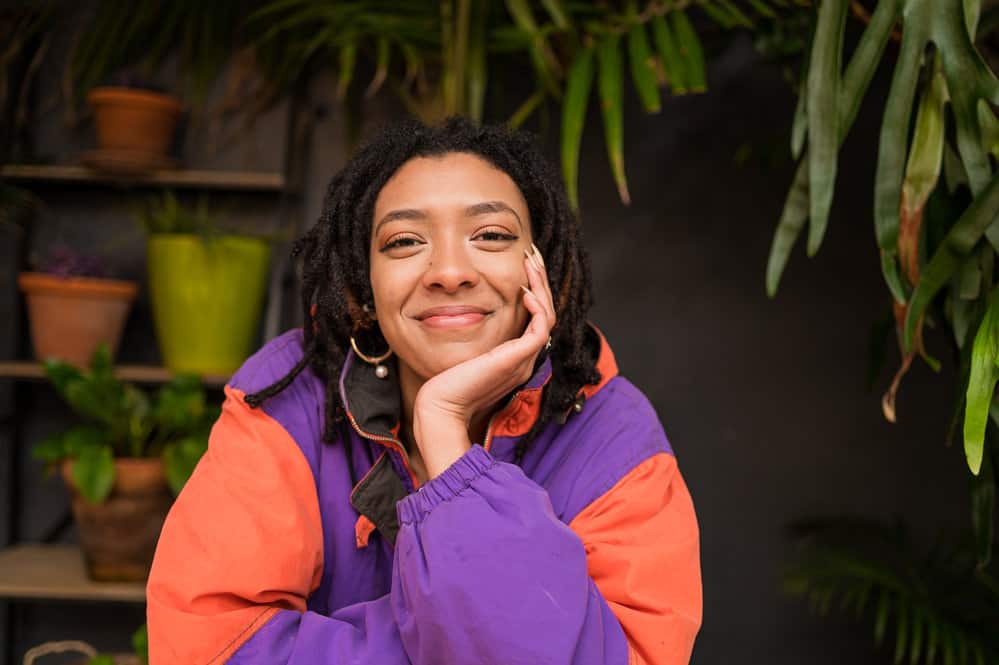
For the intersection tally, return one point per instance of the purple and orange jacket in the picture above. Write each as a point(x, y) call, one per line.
point(287, 550)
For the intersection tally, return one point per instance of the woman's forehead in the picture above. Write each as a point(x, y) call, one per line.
point(449, 181)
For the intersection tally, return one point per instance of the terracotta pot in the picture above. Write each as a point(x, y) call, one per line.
point(71, 316)
point(118, 536)
point(132, 120)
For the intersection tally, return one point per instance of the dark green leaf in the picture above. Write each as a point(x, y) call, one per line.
point(93, 473)
point(140, 643)
point(669, 51)
point(611, 103)
point(824, 89)
point(180, 458)
point(691, 51)
point(981, 383)
point(642, 69)
point(959, 243)
point(577, 96)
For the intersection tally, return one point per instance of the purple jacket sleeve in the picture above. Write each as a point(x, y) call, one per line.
point(486, 573)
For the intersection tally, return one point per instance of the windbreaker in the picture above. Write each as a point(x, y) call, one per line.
point(283, 549)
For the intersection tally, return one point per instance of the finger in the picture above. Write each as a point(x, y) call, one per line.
point(543, 272)
point(538, 281)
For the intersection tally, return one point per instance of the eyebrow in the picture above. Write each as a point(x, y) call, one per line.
point(484, 208)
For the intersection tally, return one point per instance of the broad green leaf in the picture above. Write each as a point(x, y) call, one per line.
point(738, 16)
point(577, 96)
point(881, 616)
point(916, 631)
point(799, 127)
point(542, 59)
point(926, 156)
point(893, 143)
point(557, 13)
point(61, 374)
point(823, 89)
point(50, 450)
point(642, 69)
point(140, 643)
point(981, 383)
point(669, 52)
point(611, 103)
point(690, 51)
point(718, 14)
point(792, 221)
point(81, 438)
point(477, 68)
point(383, 55)
point(959, 242)
point(901, 632)
point(762, 9)
point(345, 72)
point(93, 473)
point(857, 78)
point(180, 458)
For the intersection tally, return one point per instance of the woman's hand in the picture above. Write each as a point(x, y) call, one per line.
point(447, 403)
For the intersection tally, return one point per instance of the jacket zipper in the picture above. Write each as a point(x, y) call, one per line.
point(391, 443)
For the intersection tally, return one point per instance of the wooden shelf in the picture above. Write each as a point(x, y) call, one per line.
point(135, 373)
point(223, 180)
point(57, 572)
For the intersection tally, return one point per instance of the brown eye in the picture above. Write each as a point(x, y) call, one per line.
point(403, 241)
point(495, 236)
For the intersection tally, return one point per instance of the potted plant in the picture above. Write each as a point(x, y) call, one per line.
point(123, 461)
point(206, 286)
point(135, 124)
point(73, 306)
point(140, 648)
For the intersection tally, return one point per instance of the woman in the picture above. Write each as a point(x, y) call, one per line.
point(346, 512)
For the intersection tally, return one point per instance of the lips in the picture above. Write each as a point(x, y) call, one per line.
point(452, 316)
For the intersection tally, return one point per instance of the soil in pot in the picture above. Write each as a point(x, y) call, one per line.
point(71, 316)
point(119, 536)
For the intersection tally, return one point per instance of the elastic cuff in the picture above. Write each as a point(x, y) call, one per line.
point(452, 482)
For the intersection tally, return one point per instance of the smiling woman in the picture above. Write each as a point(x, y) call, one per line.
point(444, 465)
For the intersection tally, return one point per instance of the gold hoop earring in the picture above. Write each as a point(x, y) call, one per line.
point(381, 371)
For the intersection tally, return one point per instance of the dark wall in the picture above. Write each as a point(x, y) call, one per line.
point(764, 401)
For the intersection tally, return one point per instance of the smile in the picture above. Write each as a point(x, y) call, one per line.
point(455, 316)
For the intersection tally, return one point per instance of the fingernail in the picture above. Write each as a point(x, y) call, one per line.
point(537, 253)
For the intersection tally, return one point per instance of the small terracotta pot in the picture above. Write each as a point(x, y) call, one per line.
point(119, 536)
point(71, 316)
point(135, 120)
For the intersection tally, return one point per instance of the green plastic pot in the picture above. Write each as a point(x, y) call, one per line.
point(207, 296)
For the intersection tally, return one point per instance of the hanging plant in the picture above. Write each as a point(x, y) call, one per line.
point(937, 237)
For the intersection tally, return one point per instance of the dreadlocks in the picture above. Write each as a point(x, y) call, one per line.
point(333, 259)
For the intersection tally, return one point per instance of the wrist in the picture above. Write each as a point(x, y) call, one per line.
point(441, 438)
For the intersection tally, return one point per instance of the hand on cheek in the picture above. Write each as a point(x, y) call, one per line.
point(447, 403)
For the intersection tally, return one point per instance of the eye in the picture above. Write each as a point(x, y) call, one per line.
point(495, 235)
point(398, 242)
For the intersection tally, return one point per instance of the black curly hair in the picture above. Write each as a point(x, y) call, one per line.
point(334, 266)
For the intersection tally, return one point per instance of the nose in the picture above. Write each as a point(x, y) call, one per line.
point(450, 267)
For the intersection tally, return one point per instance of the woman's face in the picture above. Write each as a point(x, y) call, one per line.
point(447, 261)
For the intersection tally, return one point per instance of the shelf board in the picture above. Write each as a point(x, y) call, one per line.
point(224, 180)
point(57, 572)
point(135, 373)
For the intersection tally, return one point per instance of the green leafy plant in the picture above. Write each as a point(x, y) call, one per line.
point(120, 420)
point(941, 605)
point(165, 214)
point(441, 57)
point(140, 645)
point(936, 193)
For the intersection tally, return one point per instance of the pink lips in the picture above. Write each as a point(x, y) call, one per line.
point(452, 316)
